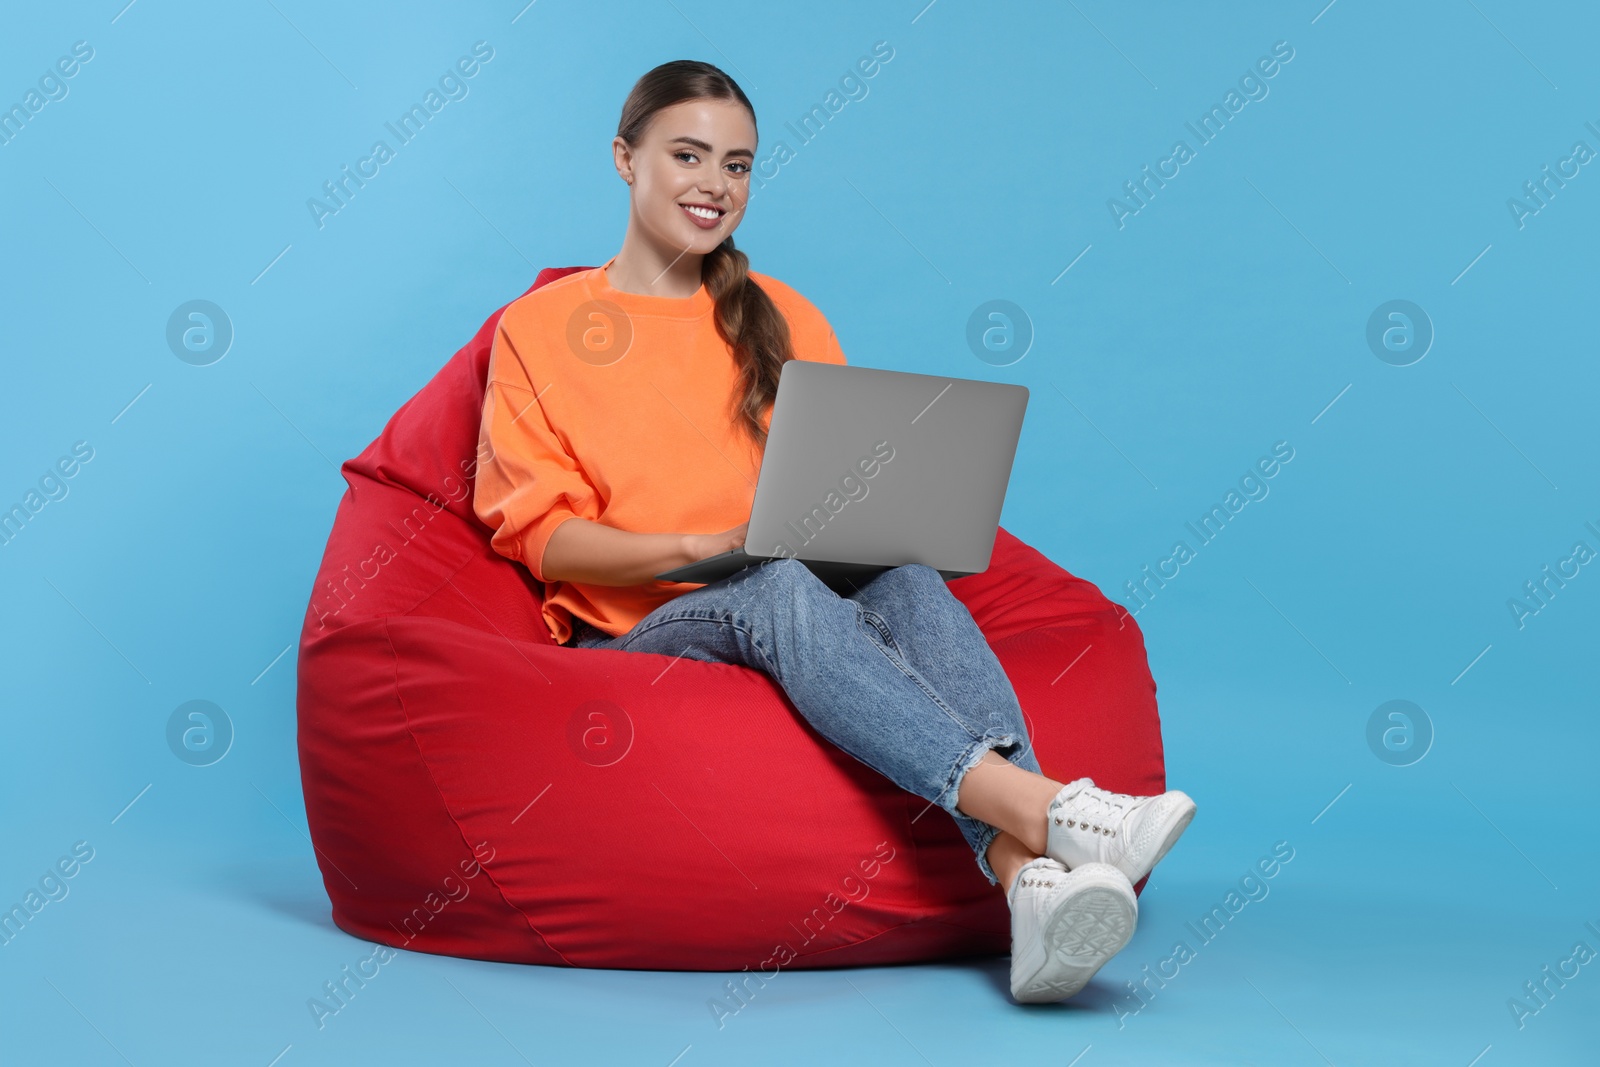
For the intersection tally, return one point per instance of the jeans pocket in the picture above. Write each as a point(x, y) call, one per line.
point(879, 624)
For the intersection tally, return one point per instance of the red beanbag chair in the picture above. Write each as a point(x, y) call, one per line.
point(474, 789)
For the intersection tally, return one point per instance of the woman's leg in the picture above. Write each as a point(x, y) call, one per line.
point(1007, 855)
point(913, 608)
point(1000, 793)
point(839, 663)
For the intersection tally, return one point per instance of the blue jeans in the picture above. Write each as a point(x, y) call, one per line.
point(897, 673)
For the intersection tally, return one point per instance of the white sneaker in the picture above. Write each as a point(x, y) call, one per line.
point(1089, 825)
point(1065, 925)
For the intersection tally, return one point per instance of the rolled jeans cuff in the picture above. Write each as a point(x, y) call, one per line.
point(978, 833)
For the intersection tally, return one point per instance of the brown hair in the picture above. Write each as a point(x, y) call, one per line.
point(746, 317)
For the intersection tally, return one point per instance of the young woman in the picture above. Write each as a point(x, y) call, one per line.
point(625, 414)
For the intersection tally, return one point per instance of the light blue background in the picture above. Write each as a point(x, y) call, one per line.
point(1225, 316)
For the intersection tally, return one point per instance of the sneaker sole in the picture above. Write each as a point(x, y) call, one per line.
point(1096, 923)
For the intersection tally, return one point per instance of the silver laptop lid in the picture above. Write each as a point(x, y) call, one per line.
point(885, 467)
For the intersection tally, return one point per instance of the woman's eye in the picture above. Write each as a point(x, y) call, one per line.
point(690, 157)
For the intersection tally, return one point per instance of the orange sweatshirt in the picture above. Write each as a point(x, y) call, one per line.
point(615, 407)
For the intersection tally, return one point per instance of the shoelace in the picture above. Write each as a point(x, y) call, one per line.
point(1109, 809)
point(1094, 805)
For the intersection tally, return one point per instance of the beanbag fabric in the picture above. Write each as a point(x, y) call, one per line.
point(474, 789)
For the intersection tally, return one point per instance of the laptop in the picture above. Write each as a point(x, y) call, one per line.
point(869, 469)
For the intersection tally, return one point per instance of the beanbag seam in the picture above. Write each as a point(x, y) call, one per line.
point(394, 661)
point(460, 565)
point(906, 803)
point(857, 943)
point(450, 581)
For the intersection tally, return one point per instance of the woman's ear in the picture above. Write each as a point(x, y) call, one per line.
point(622, 155)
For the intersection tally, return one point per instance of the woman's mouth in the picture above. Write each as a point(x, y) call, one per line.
point(703, 216)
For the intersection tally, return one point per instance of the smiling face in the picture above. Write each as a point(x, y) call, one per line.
point(690, 175)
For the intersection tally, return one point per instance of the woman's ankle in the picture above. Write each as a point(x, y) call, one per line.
point(1007, 856)
point(1013, 798)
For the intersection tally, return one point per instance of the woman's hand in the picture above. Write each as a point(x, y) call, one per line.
point(699, 546)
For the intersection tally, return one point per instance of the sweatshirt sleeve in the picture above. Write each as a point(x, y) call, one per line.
point(529, 484)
